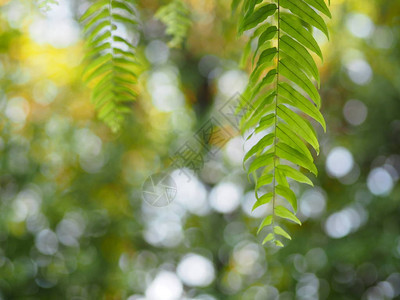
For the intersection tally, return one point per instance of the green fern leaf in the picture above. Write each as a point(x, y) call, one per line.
point(252, 19)
point(293, 26)
point(284, 98)
point(111, 64)
point(320, 5)
point(292, 49)
point(177, 18)
point(270, 237)
point(306, 13)
point(278, 230)
point(284, 213)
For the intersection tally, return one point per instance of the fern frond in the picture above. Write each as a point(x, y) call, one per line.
point(177, 19)
point(111, 64)
point(284, 99)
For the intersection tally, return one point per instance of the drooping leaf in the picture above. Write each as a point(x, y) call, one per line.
point(177, 18)
point(306, 13)
point(284, 97)
point(293, 27)
point(278, 230)
point(264, 199)
point(283, 212)
point(266, 222)
point(110, 59)
point(294, 174)
point(259, 15)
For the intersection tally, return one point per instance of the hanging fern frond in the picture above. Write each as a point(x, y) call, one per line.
point(111, 61)
point(284, 99)
point(177, 19)
point(46, 5)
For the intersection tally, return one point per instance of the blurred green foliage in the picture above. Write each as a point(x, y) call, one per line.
point(73, 224)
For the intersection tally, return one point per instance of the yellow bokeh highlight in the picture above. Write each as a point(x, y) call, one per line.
point(3, 2)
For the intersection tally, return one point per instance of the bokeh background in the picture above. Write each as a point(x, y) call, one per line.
point(73, 224)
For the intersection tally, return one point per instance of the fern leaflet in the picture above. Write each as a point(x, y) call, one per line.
point(176, 17)
point(284, 98)
point(111, 61)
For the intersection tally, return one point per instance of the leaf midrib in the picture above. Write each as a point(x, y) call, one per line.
point(276, 114)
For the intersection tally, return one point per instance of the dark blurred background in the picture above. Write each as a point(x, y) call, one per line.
point(73, 224)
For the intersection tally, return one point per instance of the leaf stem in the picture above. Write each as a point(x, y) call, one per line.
point(110, 11)
point(276, 120)
point(112, 40)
